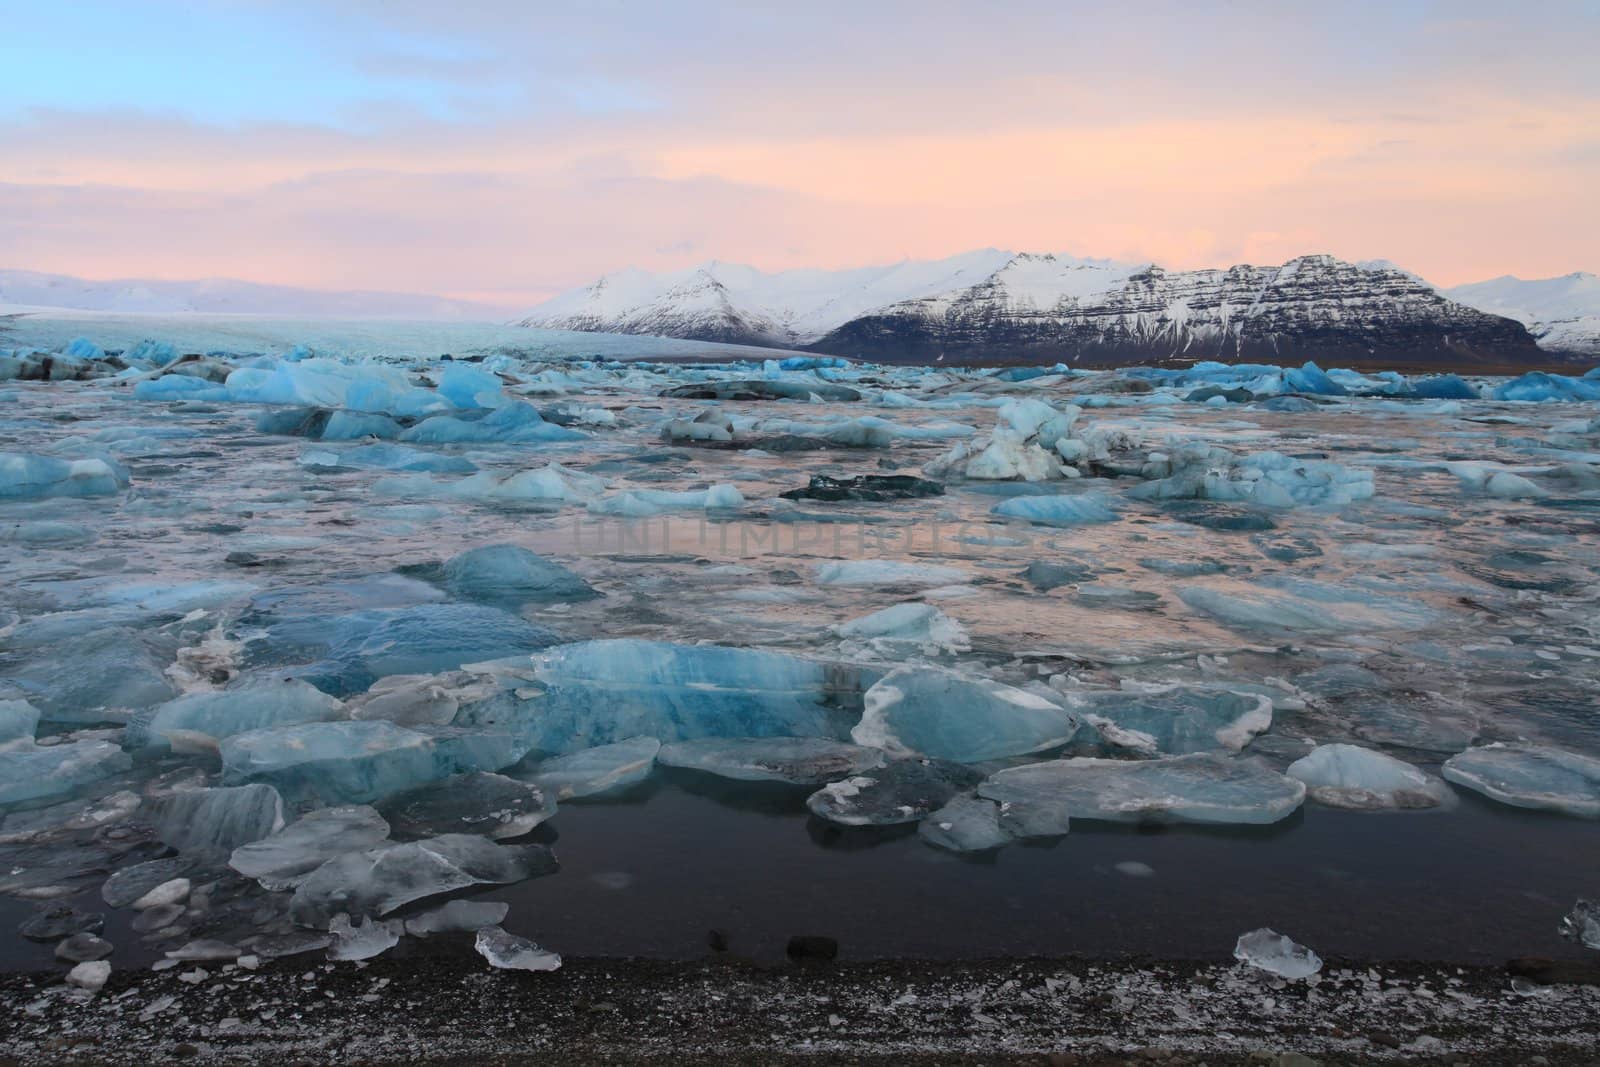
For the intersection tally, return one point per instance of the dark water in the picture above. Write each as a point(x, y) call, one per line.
point(1477, 884)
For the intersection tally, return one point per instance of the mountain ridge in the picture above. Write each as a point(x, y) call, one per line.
point(1038, 307)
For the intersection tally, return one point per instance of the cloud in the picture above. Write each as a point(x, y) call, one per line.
point(478, 146)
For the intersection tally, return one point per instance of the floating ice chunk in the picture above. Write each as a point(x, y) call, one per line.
point(887, 572)
point(1006, 456)
point(217, 820)
point(1176, 720)
point(1270, 951)
point(132, 885)
point(1538, 386)
point(597, 692)
point(26, 477)
point(1347, 776)
point(458, 916)
point(512, 575)
point(92, 975)
point(476, 803)
point(796, 760)
point(1582, 924)
point(709, 425)
point(255, 705)
point(1075, 510)
point(284, 859)
point(19, 721)
point(379, 880)
point(904, 791)
point(965, 824)
point(422, 639)
point(598, 770)
point(512, 953)
point(363, 940)
point(644, 503)
point(40, 773)
point(205, 950)
point(1202, 788)
point(1308, 606)
point(1530, 776)
point(471, 387)
point(83, 946)
point(340, 762)
point(1485, 478)
point(420, 699)
point(180, 387)
point(922, 627)
point(945, 714)
point(387, 457)
point(551, 484)
point(516, 422)
point(1266, 479)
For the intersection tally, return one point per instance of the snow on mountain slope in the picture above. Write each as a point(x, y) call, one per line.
point(224, 296)
point(732, 302)
point(994, 305)
point(1563, 314)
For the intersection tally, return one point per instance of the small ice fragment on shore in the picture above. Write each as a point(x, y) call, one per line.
point(163, 895)
point(458, 916)
point(205, 950)
point(512, 953)
point(83, 947)
point(1582, 924)
point(91, 975)
point(1270, 951)
point(364, 940)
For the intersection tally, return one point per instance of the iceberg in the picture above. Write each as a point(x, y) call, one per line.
point(471, 387)
point(386, 457)
point(1530, 776)
point(1076, 510)
point(517, 422)
point(29, 477)
point(795, 760)
point(1175, 720)
point(965, 824)
point(19, 721)
point(598, 692)
point(1485, 478)
point(476, 802)
point(282, 860)
point(644, 503)
point(30, 773)
point(1201, 787)
point(509, 575)
point(551, 485)
point(383, 879)
point(1265, 479)
point(1307, 606)
point(422, 639)
point(338, 762)
point(948, 715)
point(1541, 387)
point(1348, 776)
point(256, 704)
point(907, 627)
point(217, 820)
point(604, 769)
point(887, 572)
point(901, 792)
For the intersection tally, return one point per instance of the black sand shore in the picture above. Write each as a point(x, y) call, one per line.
point(452, 1010)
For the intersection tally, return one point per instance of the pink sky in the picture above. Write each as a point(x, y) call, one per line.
point(518, 153)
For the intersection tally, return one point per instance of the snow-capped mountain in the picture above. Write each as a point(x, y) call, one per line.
point(724, 301)
point(1002, 306)
point(1563, 314)
point(225, 296)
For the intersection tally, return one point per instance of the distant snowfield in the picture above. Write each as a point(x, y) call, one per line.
point(226, 296)
point(51, 329)
point(1563, 314)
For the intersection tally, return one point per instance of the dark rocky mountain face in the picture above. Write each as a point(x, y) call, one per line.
point(1315, 308)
